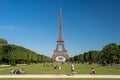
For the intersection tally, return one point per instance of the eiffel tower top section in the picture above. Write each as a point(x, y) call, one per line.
point(60, 39)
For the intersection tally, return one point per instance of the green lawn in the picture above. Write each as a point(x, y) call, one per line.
point(57, 79)
point(79, 69)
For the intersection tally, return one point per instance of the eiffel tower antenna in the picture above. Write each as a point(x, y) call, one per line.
point(60, 24)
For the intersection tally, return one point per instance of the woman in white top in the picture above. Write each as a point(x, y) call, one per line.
point(72, 67)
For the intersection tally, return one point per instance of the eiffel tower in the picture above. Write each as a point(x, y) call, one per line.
point(60, 42)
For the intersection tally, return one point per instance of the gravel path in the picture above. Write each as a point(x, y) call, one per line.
point(60, 76)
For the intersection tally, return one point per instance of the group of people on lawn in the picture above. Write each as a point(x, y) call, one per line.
point(20, 71)
point(72, 70)
point(93, 71)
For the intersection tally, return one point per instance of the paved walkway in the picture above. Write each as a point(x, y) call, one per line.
point(60, 76)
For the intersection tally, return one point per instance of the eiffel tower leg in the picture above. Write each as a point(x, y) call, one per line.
point(63, 47)
point(57, 47)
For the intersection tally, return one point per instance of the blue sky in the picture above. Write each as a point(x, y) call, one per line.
point(87, 24)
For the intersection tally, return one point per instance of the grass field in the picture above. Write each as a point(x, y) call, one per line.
point(58, 79)
point(79, 69)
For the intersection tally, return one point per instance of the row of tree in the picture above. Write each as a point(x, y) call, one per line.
point(12, 54)
point(110, 54)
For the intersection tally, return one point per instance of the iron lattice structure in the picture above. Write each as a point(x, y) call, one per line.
point(60, 41)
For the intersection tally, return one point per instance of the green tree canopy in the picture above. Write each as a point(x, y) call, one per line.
point(3, 41)
point(111, 53)
point(108, 55)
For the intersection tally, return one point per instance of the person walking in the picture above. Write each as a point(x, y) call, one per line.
point(72, 69)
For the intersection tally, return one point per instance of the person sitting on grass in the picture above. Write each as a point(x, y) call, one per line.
point(59, 67)
point(22, 71)
point(12, 71)
point(18, 72)
point(93, 71)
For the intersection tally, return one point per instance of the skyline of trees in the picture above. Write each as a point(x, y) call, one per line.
point(13, 54)
point(110, 54)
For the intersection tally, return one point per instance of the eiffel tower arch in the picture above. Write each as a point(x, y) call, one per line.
point(60, 42)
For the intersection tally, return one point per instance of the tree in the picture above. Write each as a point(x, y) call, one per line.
point(71, 59)
point(93, 56)
point(86, 55)
point(76, 58)
point(118, 54)
point(111, 53)
point(3, 41)
point(1, 51)
point(90, 57)
point(100, 58)
point(81, 58)
point(9, 53)
point(108, 55)
point(12, 54)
